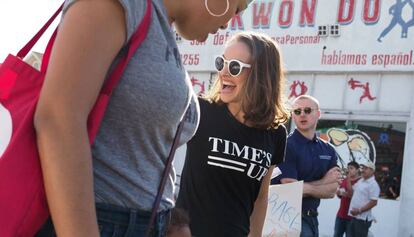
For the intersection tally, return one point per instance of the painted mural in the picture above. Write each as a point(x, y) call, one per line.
point(351, 145)
point(379, 142)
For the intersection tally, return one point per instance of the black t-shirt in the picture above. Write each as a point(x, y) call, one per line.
point(223, 171)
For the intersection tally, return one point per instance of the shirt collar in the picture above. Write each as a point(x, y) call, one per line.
point(369, 179)
point(302, 139)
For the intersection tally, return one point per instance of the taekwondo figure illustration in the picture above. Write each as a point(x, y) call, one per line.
point(198, 86)
point(365, 87)
point(293, 89)
point(396, 11)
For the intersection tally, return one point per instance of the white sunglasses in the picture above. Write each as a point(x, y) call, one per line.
point(234, 66)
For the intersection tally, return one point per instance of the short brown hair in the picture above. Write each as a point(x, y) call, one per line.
point(262, 100)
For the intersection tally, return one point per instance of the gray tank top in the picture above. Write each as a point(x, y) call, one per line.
point(137, 131)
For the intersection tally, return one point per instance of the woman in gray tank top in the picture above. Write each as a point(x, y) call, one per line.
point(112, 193)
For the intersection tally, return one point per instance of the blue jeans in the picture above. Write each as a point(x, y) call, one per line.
point(114, 221)
point(359, 228)
point(309, 226)
point(342, 226)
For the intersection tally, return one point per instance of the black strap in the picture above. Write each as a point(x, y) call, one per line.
point(164, 178)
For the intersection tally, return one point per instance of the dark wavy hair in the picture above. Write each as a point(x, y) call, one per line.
point(262, 96)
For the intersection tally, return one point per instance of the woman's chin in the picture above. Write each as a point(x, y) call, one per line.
point(202, 38)
point(192, 35)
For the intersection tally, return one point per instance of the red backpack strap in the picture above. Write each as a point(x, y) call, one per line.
point(98, 111)
point(136, 39)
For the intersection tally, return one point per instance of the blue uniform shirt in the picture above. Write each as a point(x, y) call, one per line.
point(307, 160)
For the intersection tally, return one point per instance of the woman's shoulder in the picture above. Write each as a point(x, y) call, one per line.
point(134, 11)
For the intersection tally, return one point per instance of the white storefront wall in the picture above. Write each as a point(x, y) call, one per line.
point(354, 76)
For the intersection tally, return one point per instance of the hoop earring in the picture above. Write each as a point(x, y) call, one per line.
point(217, 15)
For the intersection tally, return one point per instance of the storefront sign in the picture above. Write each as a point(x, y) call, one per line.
point(324, 35)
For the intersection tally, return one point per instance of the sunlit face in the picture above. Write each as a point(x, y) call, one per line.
point(305, 121)
point(193, 21)
point(231, 86)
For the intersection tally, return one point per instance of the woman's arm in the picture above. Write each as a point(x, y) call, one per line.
point(91, 34)
point(258, 215)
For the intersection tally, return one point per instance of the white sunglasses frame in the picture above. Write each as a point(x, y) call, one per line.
point(227, 62)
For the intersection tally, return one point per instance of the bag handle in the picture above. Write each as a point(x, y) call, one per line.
point(167, 169)
point(136, 39)
point(29, 45)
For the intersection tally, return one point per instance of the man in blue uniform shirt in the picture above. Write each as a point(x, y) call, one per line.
point(310, 159)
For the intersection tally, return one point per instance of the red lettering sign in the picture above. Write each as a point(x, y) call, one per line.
point(371, 13)
point(261, 18)
point(285, 13)
point(307, 13)
point(346, 11)
point(237, 19)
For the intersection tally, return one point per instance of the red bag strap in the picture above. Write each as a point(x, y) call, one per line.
point(136, 39)
point(25, 50)
point(48, 51)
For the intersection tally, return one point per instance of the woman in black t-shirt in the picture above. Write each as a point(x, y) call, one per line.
point(240, 139)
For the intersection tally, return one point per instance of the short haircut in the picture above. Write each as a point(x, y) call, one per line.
point(308, 97)
point(354, 164)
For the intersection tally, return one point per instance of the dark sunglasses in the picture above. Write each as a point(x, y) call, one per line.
point(306, 110)
point(234, 66)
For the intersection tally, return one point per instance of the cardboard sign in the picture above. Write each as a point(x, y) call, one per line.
point(284, 211)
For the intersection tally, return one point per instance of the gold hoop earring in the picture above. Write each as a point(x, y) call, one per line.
point(217, 15)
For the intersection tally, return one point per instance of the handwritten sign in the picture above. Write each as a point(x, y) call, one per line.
point(283, 217)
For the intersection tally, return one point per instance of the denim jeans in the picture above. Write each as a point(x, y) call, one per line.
point(342, 226)
point(309, 226)
point(359, 228)
point(114, 221)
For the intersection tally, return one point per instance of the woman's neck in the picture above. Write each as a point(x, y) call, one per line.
point(237, 112)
